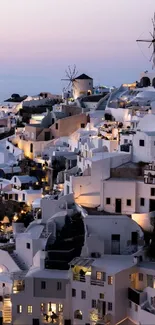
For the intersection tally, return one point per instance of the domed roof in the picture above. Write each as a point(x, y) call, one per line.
point(147, 123)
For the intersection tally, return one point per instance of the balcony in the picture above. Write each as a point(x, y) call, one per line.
point(18, 288)
point(138, 297)
point(78, 277)
point(97, 282)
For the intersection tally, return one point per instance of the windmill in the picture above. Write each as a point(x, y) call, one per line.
point(151, 43)
point(71, 74)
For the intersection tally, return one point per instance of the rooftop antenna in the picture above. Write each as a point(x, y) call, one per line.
point(151, 43)
point(71, 74)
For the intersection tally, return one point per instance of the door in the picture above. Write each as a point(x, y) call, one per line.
point(115, 244)
point(134, 238)
point(118, 206)
point(103, 308)
point(152, 205)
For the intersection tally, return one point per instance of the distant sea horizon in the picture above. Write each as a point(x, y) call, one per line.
point(28, 85)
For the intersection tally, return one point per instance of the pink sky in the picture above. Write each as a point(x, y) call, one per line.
point(95, 34)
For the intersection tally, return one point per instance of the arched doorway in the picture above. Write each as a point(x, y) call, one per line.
point(78, 314)
point(145, 82)
point(153, 82)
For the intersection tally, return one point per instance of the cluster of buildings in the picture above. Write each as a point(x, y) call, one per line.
point(88, 256)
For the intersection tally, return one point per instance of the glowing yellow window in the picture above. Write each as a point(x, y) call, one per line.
point(29, 309)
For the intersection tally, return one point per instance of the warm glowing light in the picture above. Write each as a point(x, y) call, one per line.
point(15, 218)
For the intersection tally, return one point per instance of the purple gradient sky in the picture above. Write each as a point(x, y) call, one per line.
point(39, 38)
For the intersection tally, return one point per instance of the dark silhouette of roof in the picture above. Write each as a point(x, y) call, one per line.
point(83, 76)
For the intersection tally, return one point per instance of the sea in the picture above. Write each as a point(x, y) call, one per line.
point(28, 85)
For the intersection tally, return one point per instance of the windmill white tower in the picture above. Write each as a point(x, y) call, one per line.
point(71, 74)
point(151, 43)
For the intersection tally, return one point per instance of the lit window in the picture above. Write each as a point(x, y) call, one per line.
point(29, 309)
point(60, 307)
point(98, 275)
point(19, 309)
point(110, 280)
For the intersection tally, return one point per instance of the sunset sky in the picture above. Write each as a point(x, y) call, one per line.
point(39, 38)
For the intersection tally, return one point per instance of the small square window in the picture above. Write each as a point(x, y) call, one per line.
point(125, 141)
point(130, 304)
point(73, 292)
point(29, 309)
point(28, 246)
point(59, 286)
point(93, 303)
point(140, 276)
point(136, 307)
point(83, 294)
point(108, 200)
point(101, 295)
point(142, 202)
point(128, 203)
point(110, 306)
point(110, 280)
point(43, 285)
point(82, 125)
point(141, 143)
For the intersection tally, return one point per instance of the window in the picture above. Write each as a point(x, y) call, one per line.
point(101, 276)
point(82, 125)
point(130, 304)
point(93, 303)
point(152, 191)
point(73, 292)
point(19, 309)
point(35, 321)
point(56, 126)
point(43, 285)
point(23, 197)
point(140, 276)
point(141, 143)
point(110, 306)
point(125, 141)
point(31, 147)
point(29, 309)
point(15, 179)
point(83, 294)
point(60, 307)
point(136, 308)
point(110, 280)
point(142, 202)
point(108, 200)
point(128, 203)
point(42, 307)
point(59, 286)
point(98, 275)
point(28, 246)
point(16, 197)
point(101, 295)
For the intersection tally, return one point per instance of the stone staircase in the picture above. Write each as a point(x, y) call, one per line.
point(20, 263)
